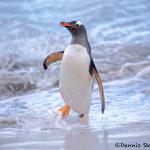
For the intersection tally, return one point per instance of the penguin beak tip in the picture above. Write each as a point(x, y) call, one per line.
point(61, 23)
point(65, 24)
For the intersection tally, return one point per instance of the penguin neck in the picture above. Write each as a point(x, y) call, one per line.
point(81, 40)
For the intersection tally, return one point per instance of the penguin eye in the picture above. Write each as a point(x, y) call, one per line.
point(77, 25)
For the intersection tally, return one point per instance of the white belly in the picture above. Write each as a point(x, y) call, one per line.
point(75, 80)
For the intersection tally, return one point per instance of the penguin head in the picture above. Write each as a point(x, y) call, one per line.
point(75, 27)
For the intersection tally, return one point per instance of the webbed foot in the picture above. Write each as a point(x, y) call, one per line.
point(64, 111)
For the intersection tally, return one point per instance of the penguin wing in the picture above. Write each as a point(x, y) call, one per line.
point(52, 58)
point(93, 71)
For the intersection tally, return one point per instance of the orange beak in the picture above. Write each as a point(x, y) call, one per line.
point(65, 24)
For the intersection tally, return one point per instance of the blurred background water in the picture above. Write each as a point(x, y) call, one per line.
point(119, 34)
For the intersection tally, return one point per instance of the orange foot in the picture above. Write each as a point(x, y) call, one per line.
point(64, 111)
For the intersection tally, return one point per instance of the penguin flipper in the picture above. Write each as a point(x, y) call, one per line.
point(52, 58)
point(93, 71)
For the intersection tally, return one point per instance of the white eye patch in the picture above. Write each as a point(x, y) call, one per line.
point(78, 23)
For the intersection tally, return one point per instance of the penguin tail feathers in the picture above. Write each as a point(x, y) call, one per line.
point(52, 58)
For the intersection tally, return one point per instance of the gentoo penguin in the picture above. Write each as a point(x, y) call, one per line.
point(76, 72)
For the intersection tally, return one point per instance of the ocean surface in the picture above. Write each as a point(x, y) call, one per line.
point(119, 34)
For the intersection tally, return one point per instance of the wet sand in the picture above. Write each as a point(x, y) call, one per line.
point(79, 139)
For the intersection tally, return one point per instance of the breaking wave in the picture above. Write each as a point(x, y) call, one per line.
point(118, 33)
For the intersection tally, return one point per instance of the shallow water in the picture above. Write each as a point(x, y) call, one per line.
point(119, 33)
point(31, 121)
